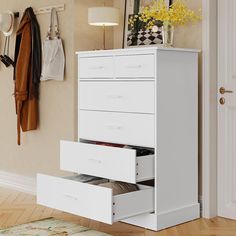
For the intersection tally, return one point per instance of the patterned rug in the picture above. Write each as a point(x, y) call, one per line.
point(50, 227)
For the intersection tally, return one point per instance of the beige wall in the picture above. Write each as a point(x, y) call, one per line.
point(90, 37)
point(40, 149)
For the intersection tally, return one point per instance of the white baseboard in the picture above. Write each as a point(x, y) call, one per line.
point(178, 216)
point(166, 219)
point(18, 182)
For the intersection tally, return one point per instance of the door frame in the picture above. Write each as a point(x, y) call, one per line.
point(208, 117)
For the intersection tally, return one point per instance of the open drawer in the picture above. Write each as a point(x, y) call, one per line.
point(107, 162)
point(92, 201)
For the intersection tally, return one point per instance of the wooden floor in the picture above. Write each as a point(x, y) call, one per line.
point(17, 208)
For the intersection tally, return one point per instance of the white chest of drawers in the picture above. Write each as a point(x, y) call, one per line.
point(144, 97)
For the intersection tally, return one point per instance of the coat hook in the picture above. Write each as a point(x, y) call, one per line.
point(16, 14)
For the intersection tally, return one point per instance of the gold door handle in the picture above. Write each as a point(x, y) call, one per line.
point(223, 90)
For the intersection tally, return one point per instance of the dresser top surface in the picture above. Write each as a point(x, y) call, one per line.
point(147, 49)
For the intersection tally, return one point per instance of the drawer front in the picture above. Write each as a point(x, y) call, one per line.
point(136, 66)
point(118, 96)
point(92, 201)
point(106, 162)
point(96, 67)
point(123, 128)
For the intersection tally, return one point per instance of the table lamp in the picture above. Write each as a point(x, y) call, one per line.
point(103, 16)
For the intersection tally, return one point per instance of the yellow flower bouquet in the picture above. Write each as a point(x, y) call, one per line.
point(177, 14)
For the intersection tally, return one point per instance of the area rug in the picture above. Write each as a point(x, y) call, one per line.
point(50, 227)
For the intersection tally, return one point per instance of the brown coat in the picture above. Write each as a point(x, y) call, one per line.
point(26, 96)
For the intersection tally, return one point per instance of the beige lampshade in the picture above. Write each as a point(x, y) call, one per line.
point(103, 16)
point(7, 23)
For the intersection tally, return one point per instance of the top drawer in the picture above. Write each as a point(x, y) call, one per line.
point(96, 67)
point(135, 66)
point(117, 67)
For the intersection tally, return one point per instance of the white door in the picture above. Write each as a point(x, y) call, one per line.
point(227, 108)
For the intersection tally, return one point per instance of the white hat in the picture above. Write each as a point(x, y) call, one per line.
point(7, 23)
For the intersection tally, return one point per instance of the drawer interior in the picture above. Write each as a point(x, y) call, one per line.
point(140, 151)
point(92, 201)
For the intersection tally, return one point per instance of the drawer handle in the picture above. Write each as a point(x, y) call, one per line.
point(114, 127)
point(115, 96)
point(71, 197)
point(134, 66)
point(95, 160)
point(97, 67)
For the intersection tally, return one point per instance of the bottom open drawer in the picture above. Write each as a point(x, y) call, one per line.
point(91, 201)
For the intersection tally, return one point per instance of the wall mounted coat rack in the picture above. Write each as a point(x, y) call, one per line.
point(16, 14)
point(45, 10)
point(42, 10)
